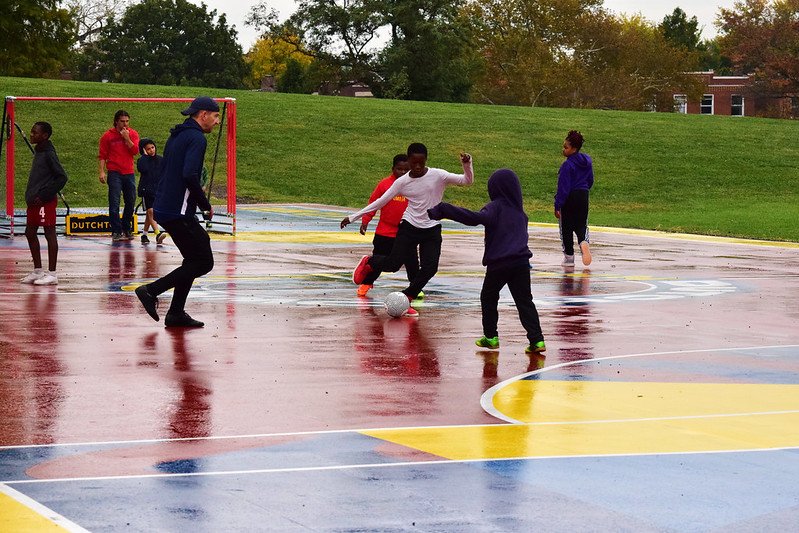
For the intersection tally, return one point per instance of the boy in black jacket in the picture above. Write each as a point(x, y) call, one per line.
point(149, 167)
point(506, 257)
point(46, 179)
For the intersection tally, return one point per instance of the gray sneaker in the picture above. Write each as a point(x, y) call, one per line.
point(116, 237)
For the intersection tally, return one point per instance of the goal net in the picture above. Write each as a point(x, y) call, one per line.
point(78, 124)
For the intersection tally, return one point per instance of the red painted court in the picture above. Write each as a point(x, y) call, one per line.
point(668, 398)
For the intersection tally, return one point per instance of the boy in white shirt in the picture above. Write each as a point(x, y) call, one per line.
point(424, 188)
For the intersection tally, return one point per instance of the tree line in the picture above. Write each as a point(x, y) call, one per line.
point(554, 53)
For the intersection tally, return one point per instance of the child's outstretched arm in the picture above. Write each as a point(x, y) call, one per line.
point(458, 214)
point(390, 193)
point(467, 178)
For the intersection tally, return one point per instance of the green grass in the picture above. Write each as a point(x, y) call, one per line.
point(698, 174)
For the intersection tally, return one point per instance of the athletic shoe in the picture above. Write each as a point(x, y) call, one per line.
point(116, 237)
point(586, 251)
point(49, 278)
point(538, 347)
point(363, 289)
point(411, 312)
point(181, 320)
point(568, 260)
point(419, 296)
point(31, 278)
point(145, 239)
point(492, 343)
point(149, 301)
point(127, 236)
point(160, 236)
point(361, 271)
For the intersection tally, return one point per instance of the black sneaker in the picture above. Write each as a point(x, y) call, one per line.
point(128, 236)
point(181, 320)
point(160, 236)
point(116, 237)
point(145, 239)
point(149, 301)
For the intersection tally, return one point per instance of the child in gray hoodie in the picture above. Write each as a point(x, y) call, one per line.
point(506, 256)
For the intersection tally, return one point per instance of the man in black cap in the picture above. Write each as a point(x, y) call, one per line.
point(179, 195)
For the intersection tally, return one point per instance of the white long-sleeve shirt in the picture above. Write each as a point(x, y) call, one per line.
point(422, 193)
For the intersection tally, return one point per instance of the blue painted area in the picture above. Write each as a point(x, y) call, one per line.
point(695, 492)
point(764, 366)
point(652, 493)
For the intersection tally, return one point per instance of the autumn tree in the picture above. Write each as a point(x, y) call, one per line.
point(35, 37)
point(762, 38)
point(271, 56)
point(337, 33)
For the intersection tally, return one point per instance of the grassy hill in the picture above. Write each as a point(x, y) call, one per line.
point(698, 174)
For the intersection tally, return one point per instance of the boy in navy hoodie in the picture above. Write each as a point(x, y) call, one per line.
point(506, 257)
point(575, 179)
point(149, 167)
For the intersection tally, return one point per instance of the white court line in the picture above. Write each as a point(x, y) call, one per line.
point(487, 399)
point(42, 510)
point(379, 465)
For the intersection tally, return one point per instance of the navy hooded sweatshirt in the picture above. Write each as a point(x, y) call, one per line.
point(179, 190)
point(149, 168)
point(503, 217)
point(577, 172)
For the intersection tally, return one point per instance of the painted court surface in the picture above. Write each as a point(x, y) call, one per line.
point(668, 399)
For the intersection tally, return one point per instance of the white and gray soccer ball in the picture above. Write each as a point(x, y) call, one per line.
point(396, 303)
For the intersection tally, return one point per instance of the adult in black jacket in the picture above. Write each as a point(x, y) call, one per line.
point(176, 202)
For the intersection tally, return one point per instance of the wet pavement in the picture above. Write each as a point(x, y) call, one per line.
point(670, 388)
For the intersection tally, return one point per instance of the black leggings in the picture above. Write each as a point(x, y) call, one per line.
point(517, 278)
point(574, 220)
point(409, 237)
point(195, 246)
point(383, 246)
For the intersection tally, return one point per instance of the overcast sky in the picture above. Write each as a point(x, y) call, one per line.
point(655, 10)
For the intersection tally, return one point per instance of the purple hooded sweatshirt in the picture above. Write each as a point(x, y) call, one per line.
point(577, 172)
point(503, 217)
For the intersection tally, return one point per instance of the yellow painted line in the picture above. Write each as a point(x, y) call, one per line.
point(752, 432)
point(576, 418)
point(537, 401)
point(16, 516)
point(310, 237)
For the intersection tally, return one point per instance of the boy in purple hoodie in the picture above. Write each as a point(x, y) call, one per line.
point(575, 179)
point(506, 256)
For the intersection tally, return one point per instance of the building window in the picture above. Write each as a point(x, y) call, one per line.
point(706, 107)
point(680, 103)
point(737, 105)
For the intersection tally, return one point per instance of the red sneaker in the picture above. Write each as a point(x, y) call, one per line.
point(361, 271)
point(411, 312)
point(363, 290)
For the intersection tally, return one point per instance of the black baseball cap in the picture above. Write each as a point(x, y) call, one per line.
point(201, 103)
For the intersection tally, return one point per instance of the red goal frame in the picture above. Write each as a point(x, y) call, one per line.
point(231, 121)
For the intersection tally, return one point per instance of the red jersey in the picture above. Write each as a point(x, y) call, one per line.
point(391, 213)
point(117, 155)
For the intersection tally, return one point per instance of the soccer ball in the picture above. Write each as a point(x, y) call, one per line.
point(396, 304)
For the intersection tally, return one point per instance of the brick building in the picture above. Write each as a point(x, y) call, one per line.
point(724, 95)
point(735, 96)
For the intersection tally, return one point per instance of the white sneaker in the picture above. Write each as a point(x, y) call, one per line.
point(568, 260)
point(48, 278)
point(32, 277)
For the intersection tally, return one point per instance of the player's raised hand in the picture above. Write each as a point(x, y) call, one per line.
point(465, 158)
point(345, 222)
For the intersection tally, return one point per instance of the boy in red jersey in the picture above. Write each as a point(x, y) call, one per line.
point(390, 217)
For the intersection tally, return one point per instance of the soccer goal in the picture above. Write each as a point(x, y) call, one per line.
point(78, 124)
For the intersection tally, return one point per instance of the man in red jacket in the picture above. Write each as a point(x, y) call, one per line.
point(118, 145)
point(390, 217)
